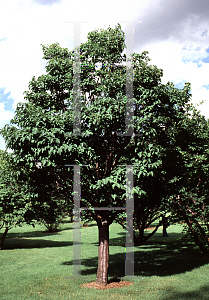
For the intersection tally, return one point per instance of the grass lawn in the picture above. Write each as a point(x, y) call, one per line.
point(38, 265)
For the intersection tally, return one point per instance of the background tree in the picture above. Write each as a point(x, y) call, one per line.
point(14, 202)
point(51, 196)
point(159, 107)
point(190, 198)
point(17, 186)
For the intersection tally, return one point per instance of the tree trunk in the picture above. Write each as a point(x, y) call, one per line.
point(103, 255)
point(194, 234)
point(204, 235)
point(152, 233)
point(3, 238)
point(141, 238)
point(203, 249)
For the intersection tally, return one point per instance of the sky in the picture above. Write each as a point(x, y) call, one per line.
point(175, 32)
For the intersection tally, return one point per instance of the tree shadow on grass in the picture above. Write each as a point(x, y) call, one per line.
point(202, 294)
point(35, 233)
point(24, 243)
point(20, 240)
point(34, 239)
point(161, 261)
point(162, 256)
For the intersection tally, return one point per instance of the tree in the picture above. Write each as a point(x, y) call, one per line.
point(42, 129)
point(190, 200)
point(51, 198)
point(17, 186)
point(161, 108)
point(14, 203)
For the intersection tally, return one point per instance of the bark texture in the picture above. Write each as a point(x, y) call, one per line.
point(103, 255)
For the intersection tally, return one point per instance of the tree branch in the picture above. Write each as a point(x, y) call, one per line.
point(13, 187)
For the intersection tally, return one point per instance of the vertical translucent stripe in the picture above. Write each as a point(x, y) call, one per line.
point(129, 261)
point(76, 82)
point(76, 224)
point(129, 80)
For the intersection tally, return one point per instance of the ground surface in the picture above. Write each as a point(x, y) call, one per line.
point(36, 264)
point(110, 285)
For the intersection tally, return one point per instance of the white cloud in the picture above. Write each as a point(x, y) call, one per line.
point(2, 143)
point(30, 24)
point(21, 53)
point(197, 96)
point(168, 56)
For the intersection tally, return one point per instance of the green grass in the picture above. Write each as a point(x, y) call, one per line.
point(38, 265)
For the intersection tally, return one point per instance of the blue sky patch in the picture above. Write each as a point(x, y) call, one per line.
point(47, 2)
point(206, 60)
point(4, 98)
point(198, 62)
point(180, 85)
point(206, 86)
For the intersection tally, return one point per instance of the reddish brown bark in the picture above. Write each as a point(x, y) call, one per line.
point(103, 255)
